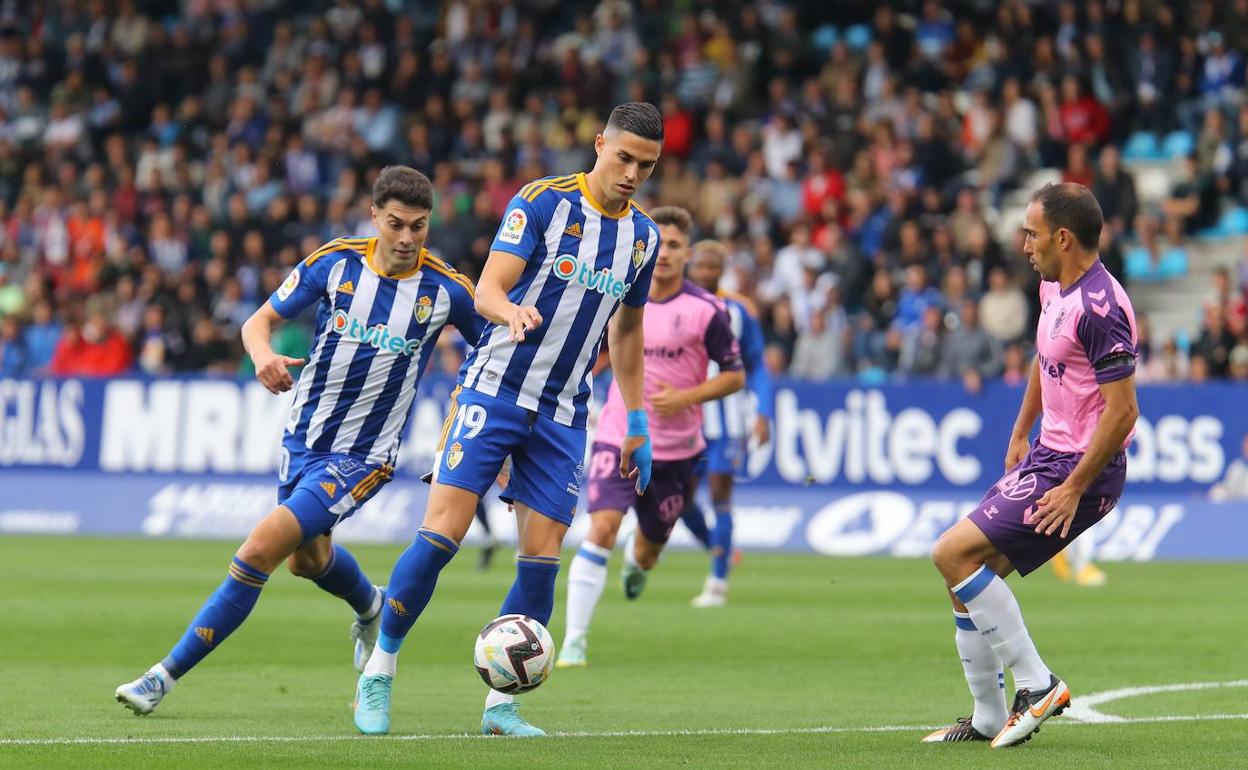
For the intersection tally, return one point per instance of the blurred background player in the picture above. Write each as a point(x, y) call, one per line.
point(1082, 386)
point(383, 302)
point(1074, 565)
point(726, 423)
point(685, 328)
point(571, 251)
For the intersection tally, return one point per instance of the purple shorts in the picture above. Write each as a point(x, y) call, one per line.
point(671, 484)
point(1000, 514)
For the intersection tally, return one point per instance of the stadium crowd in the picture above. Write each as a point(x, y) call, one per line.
point(164, 164)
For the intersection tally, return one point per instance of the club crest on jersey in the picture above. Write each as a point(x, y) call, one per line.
point(454, 455)
point(570, 269)
point(513, 227)
point(639, 253)
point(423, 309)
point(1057, 324)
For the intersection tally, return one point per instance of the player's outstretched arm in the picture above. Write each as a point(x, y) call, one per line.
point(669, 400)
point(1057, 508)
point(271, 367)
point(625, 344)
point(501, 272)
point(1028, 411)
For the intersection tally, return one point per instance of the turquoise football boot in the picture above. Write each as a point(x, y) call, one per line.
point(503, 720)
point(372, 704)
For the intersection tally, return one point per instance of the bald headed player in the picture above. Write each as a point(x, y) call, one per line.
point(1082, 386)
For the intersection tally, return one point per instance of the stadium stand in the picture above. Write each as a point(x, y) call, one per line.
point(163, 164)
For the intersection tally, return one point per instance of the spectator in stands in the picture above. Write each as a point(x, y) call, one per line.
point(922, 346)
point(92, 349)
point(1003, 312)
point(1017, 369)
point(821, 351)
point(968, 352)
point(12, 348)
point(1114, 189)
point(1192, 204)
point(1215, 343)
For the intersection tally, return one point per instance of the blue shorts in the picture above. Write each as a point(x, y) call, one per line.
point(725, 456)
point(547, 458)
point(323, 489)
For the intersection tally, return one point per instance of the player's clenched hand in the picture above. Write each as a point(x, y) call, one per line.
point(1056, 510)
point(1016, 451)
point(668, 400)
point(523, 319)
point(273, 374)
point(636, 458)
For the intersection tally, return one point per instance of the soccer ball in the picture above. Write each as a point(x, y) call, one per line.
point(514, 654)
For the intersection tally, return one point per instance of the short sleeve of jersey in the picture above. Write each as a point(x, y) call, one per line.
point(464, 316)
point(639, 292)
point(522, 228)
point(303, 287)
point(1105, 333)
point(721, 344)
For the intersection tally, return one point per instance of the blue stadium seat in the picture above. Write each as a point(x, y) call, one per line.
point(858, 37)
point(1234, 221)
point(1142, 145)
point(1138, 264)
point(1173, 263)
point(1178, 144)
point(825, 37)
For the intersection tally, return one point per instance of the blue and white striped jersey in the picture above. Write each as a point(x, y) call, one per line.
point(733, 415)
point(374, 335)
point(582, 263)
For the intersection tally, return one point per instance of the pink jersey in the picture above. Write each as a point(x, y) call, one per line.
point(1086, 337)
point(682, 334)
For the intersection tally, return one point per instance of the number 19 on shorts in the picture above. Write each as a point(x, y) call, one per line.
point(469, 420)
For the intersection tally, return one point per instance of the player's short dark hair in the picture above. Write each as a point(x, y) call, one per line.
point(674, 216)
point(405, 185)
point(1072, 206)
point(640, 118)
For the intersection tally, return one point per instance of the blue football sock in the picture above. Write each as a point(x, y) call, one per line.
point(412, 582)
point(721, 540)
point(344, 578)
point(224, 611)
point(533, 592)
point(695, 520)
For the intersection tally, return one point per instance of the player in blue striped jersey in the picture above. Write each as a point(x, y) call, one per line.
point(571, 251)
point(381, 304)
point(728, 423)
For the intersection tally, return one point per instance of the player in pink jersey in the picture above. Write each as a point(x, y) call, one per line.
point(685, 329)
point(1082, 386)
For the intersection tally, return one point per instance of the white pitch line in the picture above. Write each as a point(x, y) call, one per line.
point(605, 734)
point(1083, 708)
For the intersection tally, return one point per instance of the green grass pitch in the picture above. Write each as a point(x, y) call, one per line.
point(817, 662)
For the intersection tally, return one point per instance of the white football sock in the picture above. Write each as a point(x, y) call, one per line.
point(374, 608)
point(381, 662)
point(587, 576)
point(995, 612)
point(495, 698)
point(167, 679)
point(984, 676)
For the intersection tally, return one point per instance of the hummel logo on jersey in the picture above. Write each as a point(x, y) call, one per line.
point(573, 230)
point(329, 487)
point(397, 606)
point(378, 336)
point(346, 287)
point(205, 634)
point(569, 268)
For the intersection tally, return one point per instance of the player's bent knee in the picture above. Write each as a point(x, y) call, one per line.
point(306, 565)
point(604, 528)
